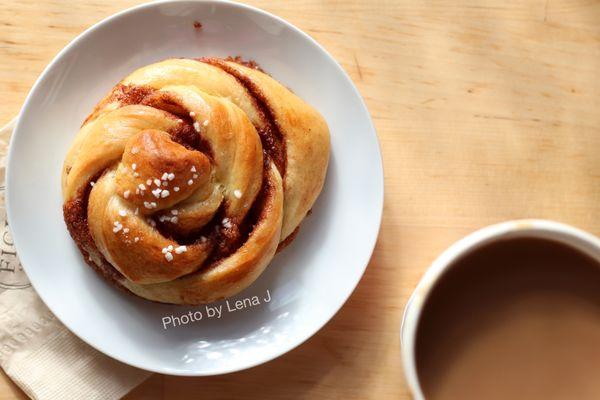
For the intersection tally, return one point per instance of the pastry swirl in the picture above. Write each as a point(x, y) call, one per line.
point(189, 175)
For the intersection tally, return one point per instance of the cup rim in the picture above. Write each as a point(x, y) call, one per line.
point(535, 228)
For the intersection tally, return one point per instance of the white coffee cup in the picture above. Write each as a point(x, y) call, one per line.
point(542, 229)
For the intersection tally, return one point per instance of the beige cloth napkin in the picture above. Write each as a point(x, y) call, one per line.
point(39, 354)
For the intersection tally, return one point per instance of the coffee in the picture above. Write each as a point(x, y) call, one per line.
point(515, 319)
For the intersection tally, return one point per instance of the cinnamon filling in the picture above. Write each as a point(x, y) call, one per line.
point(184, 134)
point(75, 215)
point(246, 63)
point(270, 136)
point(125, 95)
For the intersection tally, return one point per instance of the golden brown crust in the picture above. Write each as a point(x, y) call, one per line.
point(185, 179)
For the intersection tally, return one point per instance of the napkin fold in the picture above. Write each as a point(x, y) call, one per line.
point(37, 351)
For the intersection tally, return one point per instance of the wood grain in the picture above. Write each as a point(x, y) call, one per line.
point(486, 111)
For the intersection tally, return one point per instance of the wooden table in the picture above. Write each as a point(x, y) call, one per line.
point(486, 111)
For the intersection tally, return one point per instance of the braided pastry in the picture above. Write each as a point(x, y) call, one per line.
point(189, 175)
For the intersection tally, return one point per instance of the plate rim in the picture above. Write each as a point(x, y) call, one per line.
point(379, 204)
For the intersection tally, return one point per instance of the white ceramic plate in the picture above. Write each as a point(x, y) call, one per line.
point(308, 282)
